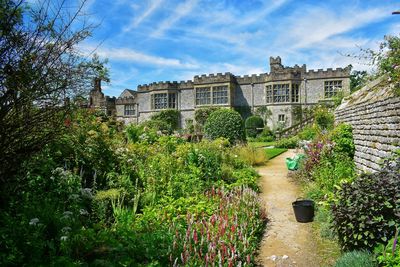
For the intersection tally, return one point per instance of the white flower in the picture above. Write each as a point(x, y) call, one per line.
point(66, 229)
point(83, 212)
point(67, 213)
point(34, 221)
point(64, 238)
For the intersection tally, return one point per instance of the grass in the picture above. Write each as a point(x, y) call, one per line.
point(262, 144)
point(252, 155)
point(273, 152)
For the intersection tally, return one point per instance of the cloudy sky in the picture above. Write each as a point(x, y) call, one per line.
point(168, 40)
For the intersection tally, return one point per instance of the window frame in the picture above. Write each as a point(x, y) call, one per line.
point(283, 116)
point(295, 93)
point(170, 100)
point(278, 92)
point(214, 93)
point(131, 110)
point(331, 90)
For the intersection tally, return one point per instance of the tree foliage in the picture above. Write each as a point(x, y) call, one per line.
point(40, 70)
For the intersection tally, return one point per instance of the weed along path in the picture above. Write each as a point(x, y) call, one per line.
point(285, 242)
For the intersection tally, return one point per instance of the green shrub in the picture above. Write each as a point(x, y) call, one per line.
point(342, 136)
point(157, 125)
point(366, 210)
point(133, 132)
point(389, 255)
point(168, 116)
point(290, 142)
point(267, 132)
point(331, 171)
point(324, 118)
point(308, 133)
point(225, 123)
point(355, 259)
point(201, 115)
point(252, 124)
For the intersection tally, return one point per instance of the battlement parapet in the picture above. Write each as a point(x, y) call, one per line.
point(167, 85)
point(328, 73)
point(254, 78)
point(185, 84)
point(214, 78)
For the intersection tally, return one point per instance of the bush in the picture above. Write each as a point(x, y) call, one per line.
point(168, 116)
point(133, 132)
point(342, 136)
point(308, 133)
point(225, 123)
point(366, 210)
point(202, 114)
point(290, 142)
point(267, 132)
point(332, 169)
point(252, 123)
point(324, 118)
point(355, 259)
point(389, 255)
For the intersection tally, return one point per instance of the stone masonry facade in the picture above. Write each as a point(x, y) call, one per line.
point(374, 113)
point(281, 90)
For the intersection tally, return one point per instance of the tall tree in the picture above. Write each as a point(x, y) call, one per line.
point(40, 68)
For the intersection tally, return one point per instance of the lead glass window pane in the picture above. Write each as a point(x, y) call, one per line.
point(203, 96)
point(332, 88)
point(220, 95)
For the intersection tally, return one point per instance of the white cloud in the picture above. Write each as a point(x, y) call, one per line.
point(130, 55)
point(154, 5)
point(318, 24)
point(180, 11)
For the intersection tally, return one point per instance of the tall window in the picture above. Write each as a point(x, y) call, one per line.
point(129, 110)
point(163, 100)
point(295, 92)
point(172, 100)
point(203, 96)
point(281, 117)
point(281, 92)
point(332, 88)
point(220, 94)
point(270, 95)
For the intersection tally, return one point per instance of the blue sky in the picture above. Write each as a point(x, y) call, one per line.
point(168, 40)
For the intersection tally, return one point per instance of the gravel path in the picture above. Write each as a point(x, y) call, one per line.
point(285, 242)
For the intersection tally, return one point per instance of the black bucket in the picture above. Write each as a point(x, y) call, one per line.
point(304, 210)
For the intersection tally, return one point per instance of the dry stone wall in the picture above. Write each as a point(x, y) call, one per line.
point(374, 113)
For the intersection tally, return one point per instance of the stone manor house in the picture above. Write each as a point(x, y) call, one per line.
point(281, 90)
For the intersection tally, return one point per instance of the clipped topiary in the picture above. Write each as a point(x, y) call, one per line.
point(366, 210)
point(253, 124)
point(225, 123)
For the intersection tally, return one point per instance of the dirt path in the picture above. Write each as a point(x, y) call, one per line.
point(285, 242)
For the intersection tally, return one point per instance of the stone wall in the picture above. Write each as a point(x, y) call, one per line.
point(374, 113)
